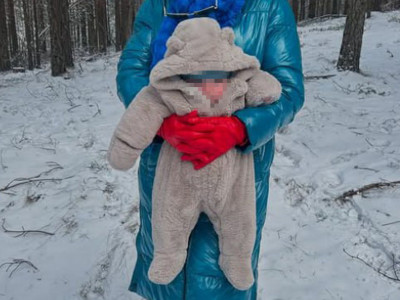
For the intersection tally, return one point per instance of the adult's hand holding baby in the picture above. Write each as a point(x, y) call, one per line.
point(228, 132)
point(203, 139)
point(181, 132)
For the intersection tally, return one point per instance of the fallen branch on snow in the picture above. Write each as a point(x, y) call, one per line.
point(23, 231)
point(311, 77)
point(33, 179)
point(17, 262)
point(396, 278)
point(27, 180)
point(378, 185)
point(391, 223)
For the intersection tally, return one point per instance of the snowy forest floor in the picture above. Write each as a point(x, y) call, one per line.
point(55, 133)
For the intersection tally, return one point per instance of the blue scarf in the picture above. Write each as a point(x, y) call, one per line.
point(226, 15)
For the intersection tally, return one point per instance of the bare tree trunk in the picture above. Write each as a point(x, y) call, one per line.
point(4, 54)
point(42, 24)
point(346, 6)
point(329, 7)
point(12, 28)
point(77, 28)
point(369, 8)
point(302, 14)
point(377, 5)
point(118, 22)
point(108, 18)
point(349, 58)
point(101, 24)
point(320, 8)
point(124, 13)
point(37, 40)
point(61, 50)
point(67, 34)
point(58, 65)
point(28, 32)
point(93, 40)
point(335, 7)
point(312, 9)
point(83, 28)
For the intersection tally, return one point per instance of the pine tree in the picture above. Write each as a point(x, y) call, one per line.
point(37, 40)
point(4, 53)
point(61, 48)
point(101, 24)
point(349, 58)
point(26, 5)
point(93, 39)
point(12, 28)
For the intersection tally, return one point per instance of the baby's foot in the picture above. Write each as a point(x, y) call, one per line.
point(238, 270)
point(165, 267)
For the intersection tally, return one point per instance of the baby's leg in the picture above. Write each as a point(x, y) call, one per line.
point(174, 214)
point(236, 228)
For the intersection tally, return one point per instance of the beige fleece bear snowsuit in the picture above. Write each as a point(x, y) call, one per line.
point(223, 189)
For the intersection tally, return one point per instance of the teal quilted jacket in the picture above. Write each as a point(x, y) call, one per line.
point(267, 30)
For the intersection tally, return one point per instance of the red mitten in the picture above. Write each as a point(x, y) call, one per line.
point(228, 132)
point(181, 132)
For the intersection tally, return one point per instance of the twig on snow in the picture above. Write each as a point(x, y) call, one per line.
point(396, 278)
point(394, 267)
point(377, 185)
point(98, 112)
point(24, 180)
point(23, 232)
point(311, 77)
point(17, 262)
point(391, 223)
point(8, 186)
point(72, 107)
point(364, 168)
point(344, 89)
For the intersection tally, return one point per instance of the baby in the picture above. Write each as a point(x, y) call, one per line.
point(202, 70)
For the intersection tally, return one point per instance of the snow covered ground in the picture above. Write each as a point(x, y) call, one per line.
point(313, 247)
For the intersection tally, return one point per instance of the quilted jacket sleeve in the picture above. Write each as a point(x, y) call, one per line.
point(134, 63)
point(136, 129)
point(281, 58)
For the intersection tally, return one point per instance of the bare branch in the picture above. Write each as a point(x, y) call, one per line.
point(23, 232)
point(17, 262)
point(391, 223)
point(8, 186)
point(98, 112)
point(311, 77)
point(375, 269)
point(378, 185)
point(23, 180)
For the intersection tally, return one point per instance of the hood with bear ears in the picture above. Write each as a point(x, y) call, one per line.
point(199, 44)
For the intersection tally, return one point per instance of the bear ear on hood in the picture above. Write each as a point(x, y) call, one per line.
point(228, 34)
point(174, 44)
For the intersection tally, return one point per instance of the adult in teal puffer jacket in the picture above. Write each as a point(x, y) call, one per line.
point(267, 30)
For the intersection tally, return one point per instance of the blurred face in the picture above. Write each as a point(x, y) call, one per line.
point(213, 89)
